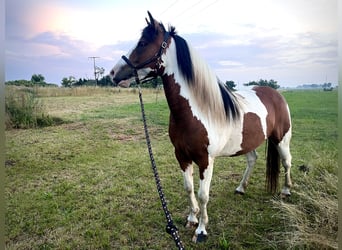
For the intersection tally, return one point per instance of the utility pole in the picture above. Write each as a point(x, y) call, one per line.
point(94, 57)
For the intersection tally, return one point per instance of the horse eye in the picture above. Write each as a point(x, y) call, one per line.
point(142, 44)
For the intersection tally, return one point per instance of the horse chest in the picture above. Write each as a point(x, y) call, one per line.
point(187, 132)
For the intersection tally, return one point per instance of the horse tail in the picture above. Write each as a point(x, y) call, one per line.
point(272, 166)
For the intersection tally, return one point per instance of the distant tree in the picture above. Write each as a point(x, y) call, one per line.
point(231, 85)
point(65, 82)
point(153, 83)
point(105, 81)
point(79, 82)
point(99, 71)
point(252, 83)
point(68, 81)
point(156, 82)
point(38, 79)
point(327, 85)
point(271, 83)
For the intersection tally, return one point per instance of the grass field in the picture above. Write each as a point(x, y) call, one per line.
point(87, 183)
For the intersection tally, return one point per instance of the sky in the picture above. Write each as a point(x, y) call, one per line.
point(291, 41)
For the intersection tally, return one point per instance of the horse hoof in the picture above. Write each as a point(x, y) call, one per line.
point(199, 238)
point(190, 224)
point(285, 195)
point(239, 192)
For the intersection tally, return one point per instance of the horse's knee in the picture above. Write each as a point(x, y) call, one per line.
point(188, 181)
point(188, 188)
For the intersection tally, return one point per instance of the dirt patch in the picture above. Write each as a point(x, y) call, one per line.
point(124, 136)
point(10, 163)
point(75, 126)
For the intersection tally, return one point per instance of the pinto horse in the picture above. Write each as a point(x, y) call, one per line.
point(207, 119)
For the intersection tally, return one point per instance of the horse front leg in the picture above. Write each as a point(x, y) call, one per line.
point(189, 188)
point(203, 196)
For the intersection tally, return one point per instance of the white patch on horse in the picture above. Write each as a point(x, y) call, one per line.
point(189, 188)
point(118, 66)
point(203, 196)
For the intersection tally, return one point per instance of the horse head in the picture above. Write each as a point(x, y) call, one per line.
point(144, 60)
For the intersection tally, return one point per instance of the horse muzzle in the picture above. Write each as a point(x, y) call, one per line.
point(120, 75)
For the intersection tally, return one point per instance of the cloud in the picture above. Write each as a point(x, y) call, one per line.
point(230, 63)
point(235, 58)
point(51, 54)
point(57, 55)
point(307, 57)
point(291, 41)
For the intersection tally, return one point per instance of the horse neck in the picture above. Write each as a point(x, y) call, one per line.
point(202, 93)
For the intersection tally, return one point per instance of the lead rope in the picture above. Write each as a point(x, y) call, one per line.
point(170, 227)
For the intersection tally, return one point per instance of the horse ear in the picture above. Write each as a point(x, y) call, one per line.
point(151, 19)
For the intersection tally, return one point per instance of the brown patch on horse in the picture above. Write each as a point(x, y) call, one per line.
point(187, 133)
point(278, 121)
point(252, 133)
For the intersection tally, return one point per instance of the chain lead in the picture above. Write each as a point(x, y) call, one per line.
point(170, 227)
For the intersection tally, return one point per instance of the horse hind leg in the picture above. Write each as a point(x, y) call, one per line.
point(251, 159)
point(286, 158)
point(192, 220)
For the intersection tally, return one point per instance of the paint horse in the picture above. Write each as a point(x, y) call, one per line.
point(207, 119)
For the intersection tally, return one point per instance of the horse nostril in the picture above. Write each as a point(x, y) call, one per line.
point(112, 72)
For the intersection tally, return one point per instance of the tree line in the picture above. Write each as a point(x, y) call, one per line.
point(71, 81)
point(39, 80)
point(270, 83)
point(36, 80)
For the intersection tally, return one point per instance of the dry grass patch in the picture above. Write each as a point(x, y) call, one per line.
point(312, 220)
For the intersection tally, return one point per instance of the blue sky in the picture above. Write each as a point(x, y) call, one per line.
point(291, 41)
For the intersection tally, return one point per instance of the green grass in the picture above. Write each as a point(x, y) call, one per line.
point(87, 183)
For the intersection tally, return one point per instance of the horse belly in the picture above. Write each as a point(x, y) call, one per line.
point(227, 142)
point(233, 145)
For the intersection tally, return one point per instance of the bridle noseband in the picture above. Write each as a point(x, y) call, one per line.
point(156, 57)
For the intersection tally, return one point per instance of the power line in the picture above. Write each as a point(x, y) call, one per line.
point(169, 7)
point(207, 6)
point(187, 9)
point(180, 16)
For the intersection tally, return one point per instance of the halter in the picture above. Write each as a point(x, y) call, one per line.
point(156, 57)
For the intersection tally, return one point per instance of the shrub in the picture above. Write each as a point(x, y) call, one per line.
point(24, 109)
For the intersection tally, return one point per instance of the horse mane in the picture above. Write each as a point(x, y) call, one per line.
point(207, 89)
point(183, 56)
